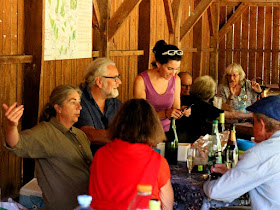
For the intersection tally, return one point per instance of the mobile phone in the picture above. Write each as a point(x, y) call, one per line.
point(182, 110)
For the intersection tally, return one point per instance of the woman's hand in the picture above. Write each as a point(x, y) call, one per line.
point(13, 113)
point(186, 112)
point(176, 113)
point(256, 87)
point(232, 88)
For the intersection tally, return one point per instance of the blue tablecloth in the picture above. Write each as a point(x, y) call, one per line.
point(188, 191)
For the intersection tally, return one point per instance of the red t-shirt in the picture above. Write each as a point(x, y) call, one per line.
point(118, 167)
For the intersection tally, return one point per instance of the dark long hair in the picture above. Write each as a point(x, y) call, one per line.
point(160, 47)
point(137, 122)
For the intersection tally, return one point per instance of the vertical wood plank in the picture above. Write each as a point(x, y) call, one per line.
point(275, 45)
point(267, 44)
point(1, 26)
point(222, 46)
point(260, 41)
point(197, 61)
point(237, 36)
point(229, 38)
point(245, 43)
point(146, 20)
point(252, 43)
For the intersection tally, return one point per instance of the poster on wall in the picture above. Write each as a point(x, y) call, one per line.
point(68, 29)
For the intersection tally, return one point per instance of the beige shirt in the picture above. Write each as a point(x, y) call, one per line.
point(63, 158)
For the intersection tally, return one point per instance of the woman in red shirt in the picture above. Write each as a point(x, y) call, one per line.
point(129, 160)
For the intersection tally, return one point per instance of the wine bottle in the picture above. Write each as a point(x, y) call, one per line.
point(231, 151)
point(214, 148)
point(171, 146)
point(222, 122)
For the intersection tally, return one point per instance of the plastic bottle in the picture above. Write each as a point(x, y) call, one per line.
point(154, 204)
point(141, 200)
point(84, 202)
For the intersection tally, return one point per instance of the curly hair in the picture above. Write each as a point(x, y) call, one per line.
point(235, 68)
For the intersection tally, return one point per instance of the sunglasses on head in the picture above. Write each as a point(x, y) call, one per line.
point(173, 52)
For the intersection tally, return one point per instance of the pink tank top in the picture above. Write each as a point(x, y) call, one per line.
point(160, 102)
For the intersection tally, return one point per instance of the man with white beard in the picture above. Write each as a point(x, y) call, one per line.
point(99, 102)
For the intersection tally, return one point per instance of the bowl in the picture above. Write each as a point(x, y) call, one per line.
point(244, 144)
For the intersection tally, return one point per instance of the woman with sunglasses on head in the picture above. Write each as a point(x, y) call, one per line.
point(161, 86)
point(236, 91)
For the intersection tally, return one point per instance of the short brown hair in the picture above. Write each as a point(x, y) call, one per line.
point(137, 122)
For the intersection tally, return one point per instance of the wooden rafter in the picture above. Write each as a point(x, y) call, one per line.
point(195, 16)
point(236, 15)
point(169, 15)
point(120, 16)
point(95, 14)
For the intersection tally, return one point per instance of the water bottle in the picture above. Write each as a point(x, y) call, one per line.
point(141, 200)
point(84, 202)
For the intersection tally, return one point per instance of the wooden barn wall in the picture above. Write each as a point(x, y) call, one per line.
point(11, 86)
point(253, 42)
point(53, 73)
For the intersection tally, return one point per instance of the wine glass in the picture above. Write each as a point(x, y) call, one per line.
point(190, 158)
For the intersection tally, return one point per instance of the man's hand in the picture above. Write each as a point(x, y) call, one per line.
point(219, 168)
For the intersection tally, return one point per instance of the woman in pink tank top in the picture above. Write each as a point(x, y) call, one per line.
point(161, 86)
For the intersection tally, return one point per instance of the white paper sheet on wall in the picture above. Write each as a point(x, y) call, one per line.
point(68, 29)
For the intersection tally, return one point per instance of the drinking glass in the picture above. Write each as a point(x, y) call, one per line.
point(190, 158)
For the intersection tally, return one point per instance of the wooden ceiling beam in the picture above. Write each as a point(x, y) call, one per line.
point(95, 15)
point(195, 16)
point(236, 15)
point(120, 16)
point(169, 15)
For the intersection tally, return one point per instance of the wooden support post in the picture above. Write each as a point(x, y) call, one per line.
point(100, 35)
point(144, 39)
point(33, 25)
point(177, 13)
point(214, 56)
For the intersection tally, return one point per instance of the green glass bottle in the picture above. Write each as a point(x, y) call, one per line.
point(214, 147)
point(171, 146)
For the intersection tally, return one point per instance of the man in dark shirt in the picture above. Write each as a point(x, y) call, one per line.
point(99, 102)
point(186, 82)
